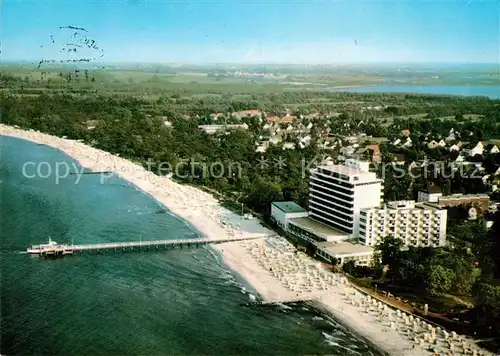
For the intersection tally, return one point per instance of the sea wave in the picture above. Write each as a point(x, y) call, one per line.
point(332, 341)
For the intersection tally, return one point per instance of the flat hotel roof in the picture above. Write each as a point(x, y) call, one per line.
point(289, 207)
point(318, 228)
point(344, 248)
point(363, 176)
point(348, 171)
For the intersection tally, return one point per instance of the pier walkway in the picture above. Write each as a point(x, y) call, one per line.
point(60, 250)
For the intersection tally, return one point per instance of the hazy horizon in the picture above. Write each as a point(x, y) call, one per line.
point(394, 65)
point(280, 32)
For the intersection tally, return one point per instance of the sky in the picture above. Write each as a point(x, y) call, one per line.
point(258, 31)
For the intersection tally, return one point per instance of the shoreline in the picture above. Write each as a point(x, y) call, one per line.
point(329, 302)
point(249, 258)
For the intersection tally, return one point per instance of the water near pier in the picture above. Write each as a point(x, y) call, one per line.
point(168, 302)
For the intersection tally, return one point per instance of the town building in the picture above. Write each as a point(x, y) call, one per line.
point(398, 159)
point(330, 244)
point(478, 149)
point(480, 202)
point(450, 137)
point(455, 147)
point(417, 224)
point(491, 148)
point(374, 151)
point(405, 133)
point(313, 231)
point(247, 113)
point(408, 143)
point(338, 192)
point(343, 252)
point(432, 145)
point(211, 129)
point(345, 205)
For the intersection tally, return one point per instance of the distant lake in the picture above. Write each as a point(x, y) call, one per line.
point(490, 91)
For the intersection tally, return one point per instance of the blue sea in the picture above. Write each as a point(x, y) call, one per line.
point(175, 302)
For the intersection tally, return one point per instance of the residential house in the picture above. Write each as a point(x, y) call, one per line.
point(450, 137)
point(375, 154)
point(288, 118)
point(352, 139)
point(326, 142)
point(246, 113)
point(275, 139)
point(456, 147)
point(300, 128)
point(441, 143)
point(310, 116)
point(477, 150)
point(408, 143)
point(491, 148)
point(405, 133)
point(432, 145)
point(347, 151)
point(306, 140)
point(362, 153)
point(327, 161)
point(261, 149)
point(398, 158)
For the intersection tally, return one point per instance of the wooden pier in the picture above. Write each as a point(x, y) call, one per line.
point(63, 250)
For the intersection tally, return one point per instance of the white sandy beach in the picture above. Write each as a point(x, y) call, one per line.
point(269, 263)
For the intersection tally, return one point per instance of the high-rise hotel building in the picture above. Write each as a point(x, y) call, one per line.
point(338, 192)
